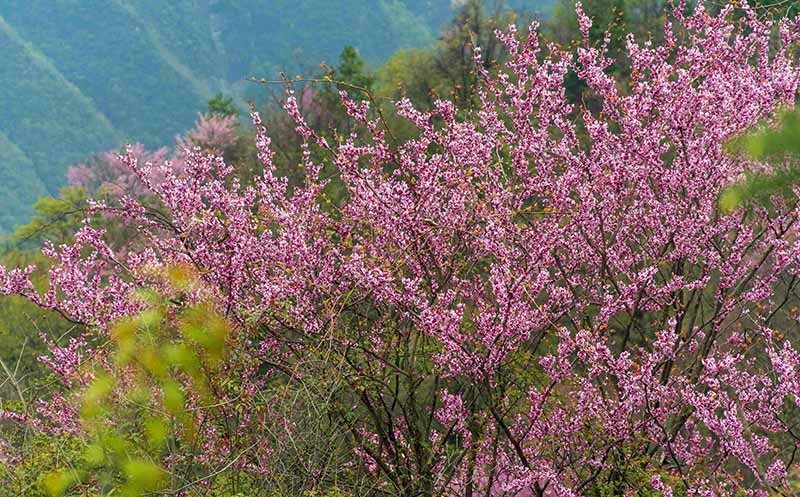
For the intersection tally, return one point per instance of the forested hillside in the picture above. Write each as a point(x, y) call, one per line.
point(80, 76)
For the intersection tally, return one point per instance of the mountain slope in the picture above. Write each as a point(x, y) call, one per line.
point(46, 123)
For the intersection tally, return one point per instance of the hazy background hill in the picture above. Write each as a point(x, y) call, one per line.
point(80, 76)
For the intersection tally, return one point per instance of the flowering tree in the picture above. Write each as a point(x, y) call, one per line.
point(212, 133)
point(108, 170)
point(533, 300)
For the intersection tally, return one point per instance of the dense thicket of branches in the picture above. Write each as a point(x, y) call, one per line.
point(515, 293)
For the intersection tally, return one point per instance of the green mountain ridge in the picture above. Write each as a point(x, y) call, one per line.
point(81, 76)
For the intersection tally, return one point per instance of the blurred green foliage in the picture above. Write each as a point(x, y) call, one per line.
point(777, 144)
point(136, 404)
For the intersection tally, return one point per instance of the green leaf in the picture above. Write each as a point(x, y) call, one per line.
point(173, 396)
point(58, 482)
point(143, 476)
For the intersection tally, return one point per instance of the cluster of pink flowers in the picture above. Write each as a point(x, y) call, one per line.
point(212, 133)
point(562, 282)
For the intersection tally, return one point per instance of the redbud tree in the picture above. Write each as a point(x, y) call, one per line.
point(529, 298)
point(213, 133)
